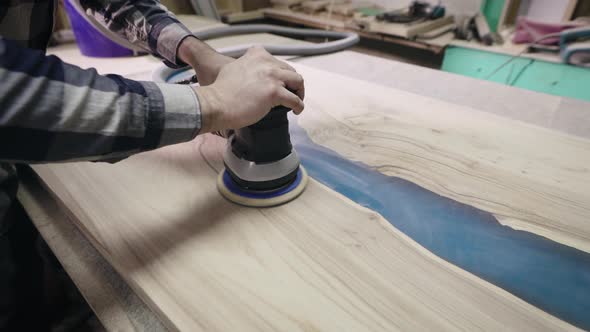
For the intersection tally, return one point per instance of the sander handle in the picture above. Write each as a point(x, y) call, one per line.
point(267, 140)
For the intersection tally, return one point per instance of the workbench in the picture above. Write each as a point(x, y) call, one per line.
point(116, 305)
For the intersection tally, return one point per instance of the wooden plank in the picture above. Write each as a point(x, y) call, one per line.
point(251, 5)
point(312, 6)
point(320, 262)
point(404, 30)
point(285, 3)
point(244, 16)
point(321, 21)
point(344, 9)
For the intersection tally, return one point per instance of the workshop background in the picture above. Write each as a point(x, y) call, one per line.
point(486, 39)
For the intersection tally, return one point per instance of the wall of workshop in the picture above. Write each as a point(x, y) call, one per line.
point(457, 7)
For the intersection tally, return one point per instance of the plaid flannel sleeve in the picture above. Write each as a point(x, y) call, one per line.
point(145, 23)
point(53, 111)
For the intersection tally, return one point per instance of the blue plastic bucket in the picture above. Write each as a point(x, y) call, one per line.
point(90, 41)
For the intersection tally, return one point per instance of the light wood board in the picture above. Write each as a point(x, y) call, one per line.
point(529, 177)
point(334, 21)
point(371, 24)
point(320, 262)
point(320, 19)
point(312, 6)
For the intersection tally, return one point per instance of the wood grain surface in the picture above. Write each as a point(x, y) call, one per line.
point(322, 262)
point(529, 177)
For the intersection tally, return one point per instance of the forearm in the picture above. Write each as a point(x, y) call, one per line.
point(145, 23)
point(149, 25)
point(206, 62)
point(195, 52)
point(52, 111)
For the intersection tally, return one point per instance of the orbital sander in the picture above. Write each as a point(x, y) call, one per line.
point(261, 167)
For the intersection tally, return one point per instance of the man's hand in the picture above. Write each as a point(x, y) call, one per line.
point(203, 59)
point(246, 89)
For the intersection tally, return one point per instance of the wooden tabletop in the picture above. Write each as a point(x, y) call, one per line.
point(119, 308)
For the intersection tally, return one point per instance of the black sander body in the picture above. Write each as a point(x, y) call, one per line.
point(261, 167)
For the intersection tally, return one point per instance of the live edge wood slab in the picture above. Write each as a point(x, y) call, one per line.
point(322, 262)
point(529, 177)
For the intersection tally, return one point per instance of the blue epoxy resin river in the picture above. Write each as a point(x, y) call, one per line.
point(547, 274)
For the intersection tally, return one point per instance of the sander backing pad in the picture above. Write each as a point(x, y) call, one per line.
point(231, 191)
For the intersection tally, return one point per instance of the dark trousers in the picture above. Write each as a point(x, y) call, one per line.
point(22, 293)
point(35, 293)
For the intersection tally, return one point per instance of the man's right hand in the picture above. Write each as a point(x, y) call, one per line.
point(246, 89)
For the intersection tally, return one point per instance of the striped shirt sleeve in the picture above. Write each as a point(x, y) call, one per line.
point(52, 111)
point(145, 23)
